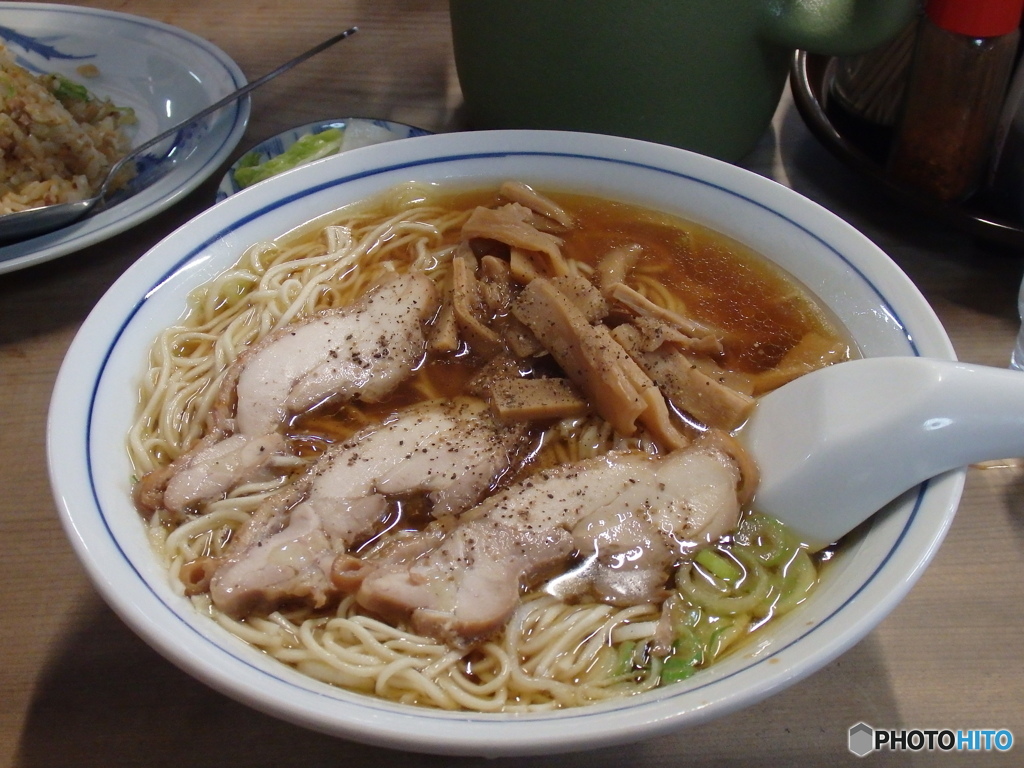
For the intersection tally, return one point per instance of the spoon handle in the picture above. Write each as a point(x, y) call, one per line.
point(837, 445)
point(219, 104)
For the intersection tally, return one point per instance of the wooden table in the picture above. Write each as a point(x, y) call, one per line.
point(77, 688)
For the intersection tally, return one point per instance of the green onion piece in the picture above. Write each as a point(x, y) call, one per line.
point(69, 90)
point(718, 565)
point(128, 116)
point(687, 655)
point(676, 668)
point(310, 147)
point(689, 647)
point(624, 663)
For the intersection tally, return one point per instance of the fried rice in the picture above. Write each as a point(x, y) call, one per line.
point(58, 141)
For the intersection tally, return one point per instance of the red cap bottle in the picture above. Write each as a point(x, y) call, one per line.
point(962, 63)
point(976, 18)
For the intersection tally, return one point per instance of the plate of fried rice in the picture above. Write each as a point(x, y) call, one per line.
point(72, 102)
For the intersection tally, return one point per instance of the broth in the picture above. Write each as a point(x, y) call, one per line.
point(765, 319)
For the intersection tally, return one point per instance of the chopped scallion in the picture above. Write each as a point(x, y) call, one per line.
point(718, 565)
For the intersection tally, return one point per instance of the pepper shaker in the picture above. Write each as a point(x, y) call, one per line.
point(961, 65)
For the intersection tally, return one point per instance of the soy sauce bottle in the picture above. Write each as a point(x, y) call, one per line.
point(962, 62)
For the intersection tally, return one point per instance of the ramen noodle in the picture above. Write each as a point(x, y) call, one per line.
point(645, 280)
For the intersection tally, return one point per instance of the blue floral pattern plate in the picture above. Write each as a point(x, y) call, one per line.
point(163, 73)
point(357, 132)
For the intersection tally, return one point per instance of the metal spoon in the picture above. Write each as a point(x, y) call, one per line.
point(838, 444)
point(37, 221)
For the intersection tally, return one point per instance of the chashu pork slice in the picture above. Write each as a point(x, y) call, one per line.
point(629, 515)
point(213, 466)
point(452, 452)
point(464, 589)
point(219, 465)
point(364, 350)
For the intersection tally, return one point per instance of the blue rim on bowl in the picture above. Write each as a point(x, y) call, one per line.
point(90, 471)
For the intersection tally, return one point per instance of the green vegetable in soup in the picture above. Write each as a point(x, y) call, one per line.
point(725, 593)
point(310, 147)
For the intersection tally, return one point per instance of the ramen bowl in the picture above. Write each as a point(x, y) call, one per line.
point(97, 390)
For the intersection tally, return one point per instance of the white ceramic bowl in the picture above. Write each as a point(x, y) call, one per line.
point(97, 388)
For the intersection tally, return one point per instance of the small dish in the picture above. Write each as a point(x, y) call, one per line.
point(358, 132)
point(810, 79)
point(163, 73)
